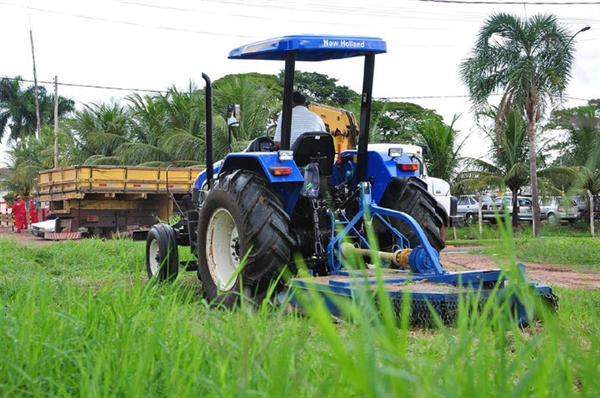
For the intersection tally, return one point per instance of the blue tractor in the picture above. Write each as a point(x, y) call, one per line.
point(255, 214)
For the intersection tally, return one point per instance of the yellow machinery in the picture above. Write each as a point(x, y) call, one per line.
point(340, 123)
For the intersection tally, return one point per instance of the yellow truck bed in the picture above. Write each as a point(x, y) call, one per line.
point(77, 181)
point(104, 200)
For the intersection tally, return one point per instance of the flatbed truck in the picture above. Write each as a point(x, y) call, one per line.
point(107, 200)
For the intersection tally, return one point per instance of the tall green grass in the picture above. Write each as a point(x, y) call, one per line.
point(81, 319)
point(578, 253)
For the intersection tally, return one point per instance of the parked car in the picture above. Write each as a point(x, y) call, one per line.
point(503, 205)
point(40, 228)
point(584, 209)
point(468, 207)
point(556, 209)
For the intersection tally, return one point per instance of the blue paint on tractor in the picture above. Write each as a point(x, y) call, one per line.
point(288, 186)
point(380, 168)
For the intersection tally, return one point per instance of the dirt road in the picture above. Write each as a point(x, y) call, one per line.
point(25, 237)
point(451, 259)
point(551, 274)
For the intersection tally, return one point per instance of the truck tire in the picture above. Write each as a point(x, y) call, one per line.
point(242, 221)
point(410, 195)
point(162, 257)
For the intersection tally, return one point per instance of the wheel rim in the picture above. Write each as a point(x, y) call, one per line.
point(223, 253)
point(154, 257)
point(551, 218)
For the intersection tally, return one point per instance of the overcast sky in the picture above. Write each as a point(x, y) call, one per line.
point(153, 45)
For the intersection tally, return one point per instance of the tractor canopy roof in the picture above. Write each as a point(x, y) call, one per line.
point(310, 47)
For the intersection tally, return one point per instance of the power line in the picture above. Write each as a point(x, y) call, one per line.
point(427, 97)
point(92, 86)
point(228, 34)
point(542, 3)
point(164, 92)
point(396, 12)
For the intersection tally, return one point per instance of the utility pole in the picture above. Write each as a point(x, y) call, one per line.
point(35, 88)
point(56, 122)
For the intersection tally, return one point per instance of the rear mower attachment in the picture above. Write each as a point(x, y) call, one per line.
point(411, 275)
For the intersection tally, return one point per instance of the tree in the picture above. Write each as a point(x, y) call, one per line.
point(17, 108)
point(442, 146)
point(99, 130)
point(259, 97)
point(509, 166)
point(529, 61)
point(321, 88)
point(170, 128)
point(25, 158)
point(580, 127)
point(396, 121)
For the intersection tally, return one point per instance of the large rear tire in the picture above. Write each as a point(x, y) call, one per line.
point(242, 218)
point(162, 257)
point(410, 195)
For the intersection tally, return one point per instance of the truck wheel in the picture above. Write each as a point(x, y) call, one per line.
point(162, 257)
point(242, 221)
point(410, 195)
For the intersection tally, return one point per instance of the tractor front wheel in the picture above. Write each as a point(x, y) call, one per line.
point(243, 239)
point(162, 257)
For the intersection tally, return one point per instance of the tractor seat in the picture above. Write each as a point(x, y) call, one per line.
point(260, 144)
point(315, 146)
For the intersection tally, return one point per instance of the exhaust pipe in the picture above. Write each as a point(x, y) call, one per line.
point(209, 130)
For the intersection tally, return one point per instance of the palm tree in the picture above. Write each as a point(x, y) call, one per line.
point(259, 97)
point(99, 130)
point(581, 148)
point(166, 128)
point(17, 108)
point(441, 142)
point(509, 166)
point(529, 61)
point(25, 158)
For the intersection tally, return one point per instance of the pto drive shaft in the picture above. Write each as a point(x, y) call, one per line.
point(399, 257)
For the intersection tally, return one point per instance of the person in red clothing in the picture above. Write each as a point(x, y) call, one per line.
point(20, 214)
point(33, 215)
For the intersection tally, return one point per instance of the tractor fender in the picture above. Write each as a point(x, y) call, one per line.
point(265, 163)
point(200, 181)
